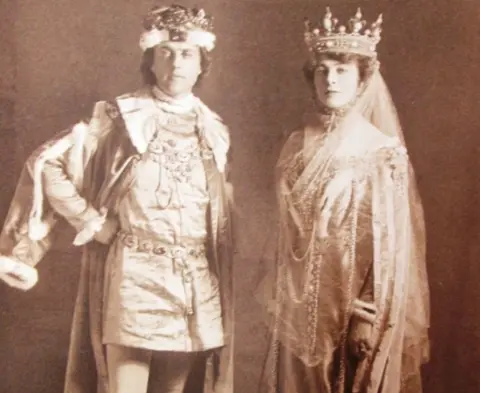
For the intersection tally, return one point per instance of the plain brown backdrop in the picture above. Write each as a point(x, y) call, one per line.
point(58, 57)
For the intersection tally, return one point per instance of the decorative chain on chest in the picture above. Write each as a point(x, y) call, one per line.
point(178, 160)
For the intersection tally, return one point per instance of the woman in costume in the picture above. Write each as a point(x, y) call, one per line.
point(350, 309)
point(143, 183)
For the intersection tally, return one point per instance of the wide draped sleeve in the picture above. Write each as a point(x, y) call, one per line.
point(400, 285)
point(52, 185)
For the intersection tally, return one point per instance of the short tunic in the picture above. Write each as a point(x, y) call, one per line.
point(159, 292)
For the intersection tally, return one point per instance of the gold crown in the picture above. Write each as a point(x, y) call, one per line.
point(177, 23)
point(355, 38)
point(177, 17)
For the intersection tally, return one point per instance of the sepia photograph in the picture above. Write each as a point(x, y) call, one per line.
point(239, 196)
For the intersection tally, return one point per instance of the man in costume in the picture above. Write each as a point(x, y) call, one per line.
point(143, 183)
point(350, 305)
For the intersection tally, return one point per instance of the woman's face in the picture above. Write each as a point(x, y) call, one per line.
point(177, 66)
point(336, 83)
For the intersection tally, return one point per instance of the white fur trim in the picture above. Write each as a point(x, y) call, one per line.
point(17, 274)
point(37, 229)
point(154, 37)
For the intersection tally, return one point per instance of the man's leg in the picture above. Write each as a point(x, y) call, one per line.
point(128, 369)
point(170, 371)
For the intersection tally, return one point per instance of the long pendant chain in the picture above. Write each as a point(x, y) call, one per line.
point(351, 242)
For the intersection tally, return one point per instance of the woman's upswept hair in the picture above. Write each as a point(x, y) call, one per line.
point(366, 65)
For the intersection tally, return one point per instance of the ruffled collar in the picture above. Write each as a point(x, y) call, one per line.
point(174, 105)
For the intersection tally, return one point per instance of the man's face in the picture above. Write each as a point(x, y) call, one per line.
point(177, 66)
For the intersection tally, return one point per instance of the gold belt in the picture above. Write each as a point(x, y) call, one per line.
point(157, 247)
point(178, 253)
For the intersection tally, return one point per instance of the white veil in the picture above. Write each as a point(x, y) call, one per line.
point(375, 104)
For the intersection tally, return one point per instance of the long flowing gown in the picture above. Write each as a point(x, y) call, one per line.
point(351, 228)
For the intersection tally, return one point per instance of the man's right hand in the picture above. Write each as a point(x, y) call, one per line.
point(108, 231)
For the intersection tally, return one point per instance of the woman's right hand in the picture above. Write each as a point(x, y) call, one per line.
point(17, 274)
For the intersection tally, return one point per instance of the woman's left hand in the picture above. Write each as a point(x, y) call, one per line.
point(360, 338)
